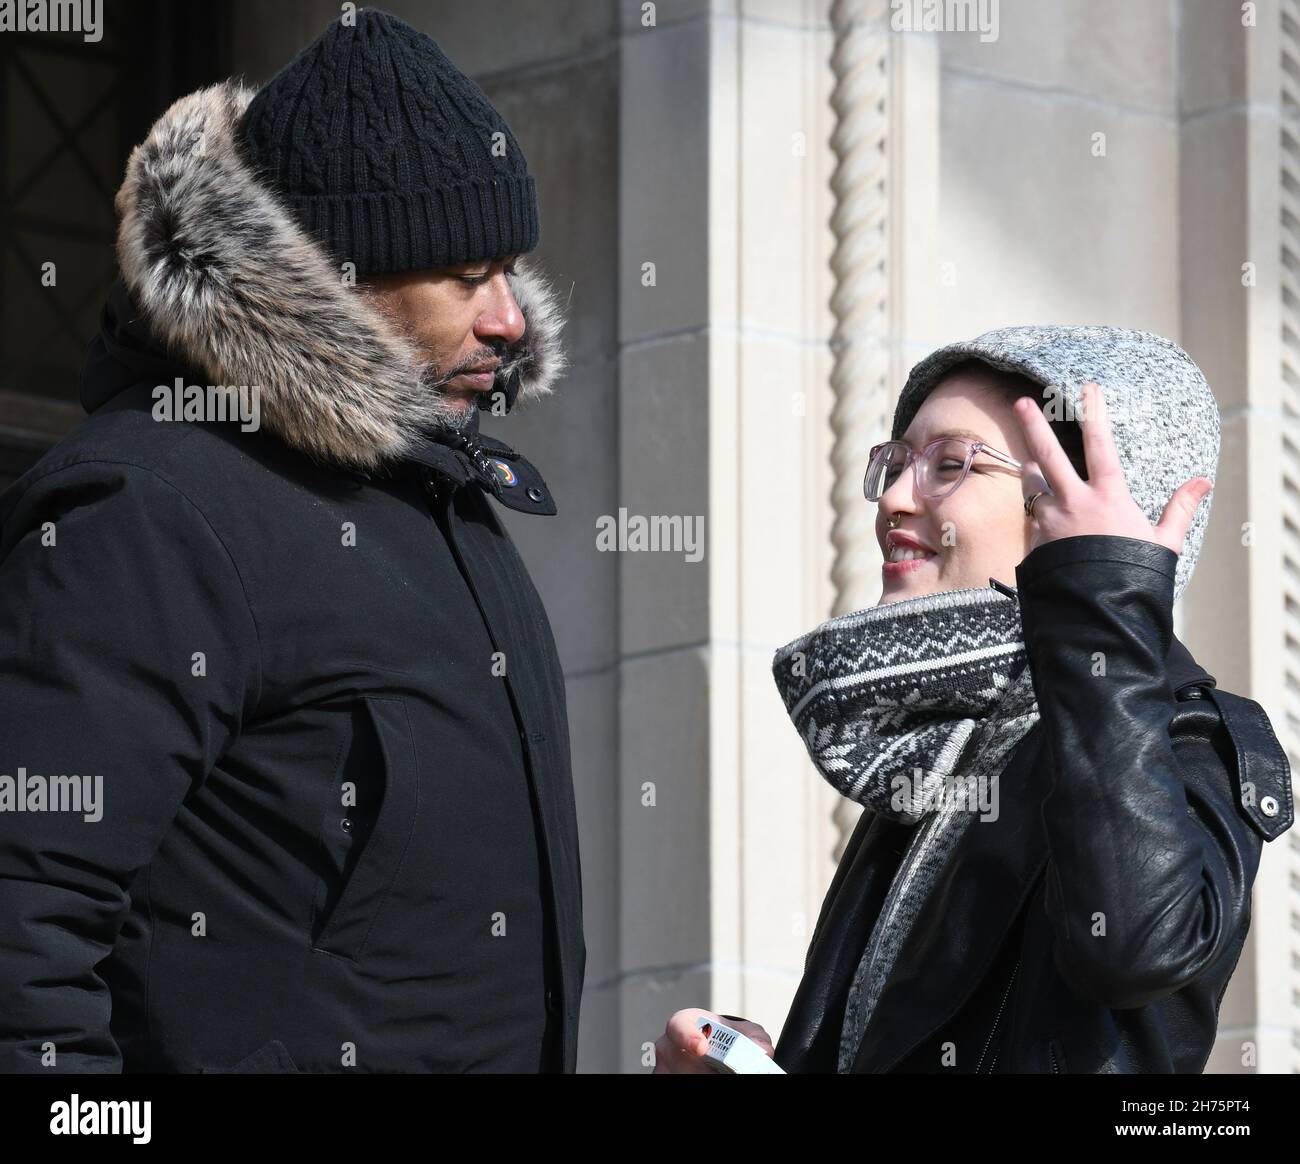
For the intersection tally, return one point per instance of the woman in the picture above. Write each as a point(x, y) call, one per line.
point(1053, 871)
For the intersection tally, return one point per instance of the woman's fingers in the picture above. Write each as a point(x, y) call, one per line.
point(682, 1046)
point(1045, 449)
point(1032, 480)
point(1176, 519)
point(684, 1030)
point(670, 1059)
point(680, 1049)
point(1099, 452)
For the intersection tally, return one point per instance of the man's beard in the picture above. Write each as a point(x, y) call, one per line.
point(449, 415)
point(434, 378)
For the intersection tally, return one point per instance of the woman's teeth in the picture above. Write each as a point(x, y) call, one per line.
point(903, 554)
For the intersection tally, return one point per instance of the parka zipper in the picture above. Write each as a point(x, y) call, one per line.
point(443, 500)
point(482, 462)
point(997, 1022)
point(1051, 1050)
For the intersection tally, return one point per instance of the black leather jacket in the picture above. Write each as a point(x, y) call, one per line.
point(1094, 925)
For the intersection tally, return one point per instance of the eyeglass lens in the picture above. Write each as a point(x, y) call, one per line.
point(940, 469)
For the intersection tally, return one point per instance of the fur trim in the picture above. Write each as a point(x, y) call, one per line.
point(226, 277)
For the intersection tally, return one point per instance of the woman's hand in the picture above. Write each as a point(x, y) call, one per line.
point(680, 1049)
point(1102, 504)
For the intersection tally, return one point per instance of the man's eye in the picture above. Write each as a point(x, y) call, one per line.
point(474, 280)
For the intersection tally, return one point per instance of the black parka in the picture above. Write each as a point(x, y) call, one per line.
point(1093, 926)
point(338, 829)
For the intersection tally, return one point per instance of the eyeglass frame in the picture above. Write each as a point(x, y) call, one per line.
point(973, 448)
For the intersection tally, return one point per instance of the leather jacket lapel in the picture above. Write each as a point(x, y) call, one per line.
point(810, 1037)
point(980, 893)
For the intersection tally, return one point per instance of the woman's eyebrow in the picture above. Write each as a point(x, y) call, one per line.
point(950, 432)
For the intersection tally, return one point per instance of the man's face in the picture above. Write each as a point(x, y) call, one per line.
point(460, 318)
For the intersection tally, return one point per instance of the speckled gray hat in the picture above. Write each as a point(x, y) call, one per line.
point(1162, 412)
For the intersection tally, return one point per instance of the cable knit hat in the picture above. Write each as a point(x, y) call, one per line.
point(388, 154)
point(1163, 415)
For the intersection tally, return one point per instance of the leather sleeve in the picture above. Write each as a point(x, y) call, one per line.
point(1151, 862)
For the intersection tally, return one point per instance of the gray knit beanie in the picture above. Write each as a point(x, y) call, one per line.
point(1163, 415)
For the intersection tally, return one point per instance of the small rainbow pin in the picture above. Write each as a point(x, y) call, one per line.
point(506, 473)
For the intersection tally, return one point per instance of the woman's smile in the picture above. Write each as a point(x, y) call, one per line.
point(896, 569)
point(904, 554)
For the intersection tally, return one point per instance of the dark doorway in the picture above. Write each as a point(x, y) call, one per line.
point(71, 110)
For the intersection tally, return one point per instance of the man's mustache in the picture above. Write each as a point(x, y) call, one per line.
point(502, 361)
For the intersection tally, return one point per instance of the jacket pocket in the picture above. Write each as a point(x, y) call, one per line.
point(377, 837)
point(271, 1058)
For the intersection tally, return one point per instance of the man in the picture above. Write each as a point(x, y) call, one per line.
point(285, 778)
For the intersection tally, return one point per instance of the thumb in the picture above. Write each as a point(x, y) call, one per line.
point(1177, 515)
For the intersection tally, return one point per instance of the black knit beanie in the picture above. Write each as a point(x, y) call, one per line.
point(388, 154)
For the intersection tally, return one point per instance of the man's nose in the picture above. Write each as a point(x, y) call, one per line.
point(501, 319)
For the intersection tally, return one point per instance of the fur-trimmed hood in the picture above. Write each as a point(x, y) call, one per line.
point(225, 277)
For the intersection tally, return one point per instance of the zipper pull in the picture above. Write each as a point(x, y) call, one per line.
point(1002, 587)
point(472, 449)
point(478, 455)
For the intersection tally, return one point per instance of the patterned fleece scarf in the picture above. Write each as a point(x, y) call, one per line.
point(912, 709)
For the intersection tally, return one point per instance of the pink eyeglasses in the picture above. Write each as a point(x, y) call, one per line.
point(941, 466)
